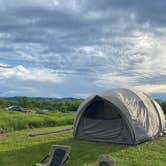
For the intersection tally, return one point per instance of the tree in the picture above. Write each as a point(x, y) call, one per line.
point(163, 105)
point(25, 102)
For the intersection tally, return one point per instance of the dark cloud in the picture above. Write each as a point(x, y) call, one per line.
point(145, 11)
point(94, 39)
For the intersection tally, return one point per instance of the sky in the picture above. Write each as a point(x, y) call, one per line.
point(75, 48)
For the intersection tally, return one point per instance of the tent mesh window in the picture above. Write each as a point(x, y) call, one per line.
point(103, 163)
point(102, 110)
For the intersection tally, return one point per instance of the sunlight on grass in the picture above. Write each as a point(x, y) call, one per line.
point(17, 149)
point(10, 121)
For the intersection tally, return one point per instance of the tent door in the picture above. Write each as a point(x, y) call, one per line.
point(102, 122)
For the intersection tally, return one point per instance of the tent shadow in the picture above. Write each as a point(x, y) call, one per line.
point(82, 152)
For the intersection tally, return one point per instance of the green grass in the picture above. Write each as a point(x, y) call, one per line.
point(10, 121)
point(17, 149)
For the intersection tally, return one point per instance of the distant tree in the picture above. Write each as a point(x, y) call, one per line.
point(4, 103)
point(73, 106)
point(163, 105)
point(158, 101)
point(25, 102)
point(40, 104)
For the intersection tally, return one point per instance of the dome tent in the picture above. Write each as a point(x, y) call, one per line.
point(119, 116)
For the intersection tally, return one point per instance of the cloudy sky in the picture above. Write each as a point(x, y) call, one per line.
point(59, 48)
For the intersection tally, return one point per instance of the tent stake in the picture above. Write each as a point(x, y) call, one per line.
point(49, 132)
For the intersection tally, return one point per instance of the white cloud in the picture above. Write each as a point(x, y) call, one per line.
point(160, 88)
point(111, 80)
point(2, 65)
point(142, 66)
point(33, 74)
point(70, 4)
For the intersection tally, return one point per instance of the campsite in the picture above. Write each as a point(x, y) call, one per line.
point(82, 83)
point(17, 148)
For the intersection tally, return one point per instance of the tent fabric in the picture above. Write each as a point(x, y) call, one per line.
point(119, 116)
point(161, 116)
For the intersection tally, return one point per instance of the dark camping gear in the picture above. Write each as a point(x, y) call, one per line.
point(58, 156)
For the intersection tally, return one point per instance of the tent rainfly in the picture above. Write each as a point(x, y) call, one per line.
point(119, 116)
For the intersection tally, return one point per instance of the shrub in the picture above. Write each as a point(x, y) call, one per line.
point(163, 105)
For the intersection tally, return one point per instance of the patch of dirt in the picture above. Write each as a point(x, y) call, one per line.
point(3, 136)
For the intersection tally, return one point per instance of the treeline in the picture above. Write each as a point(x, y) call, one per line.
point(163, 105)
point(34, 104)
point(51, 104)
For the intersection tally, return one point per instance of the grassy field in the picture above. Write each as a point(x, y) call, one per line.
point(10, 121)
point(17, 149)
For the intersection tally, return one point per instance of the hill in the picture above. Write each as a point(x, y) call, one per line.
point(65, 99)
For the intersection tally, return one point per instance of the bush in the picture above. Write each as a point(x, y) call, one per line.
point(41, 104)
point(163, 105)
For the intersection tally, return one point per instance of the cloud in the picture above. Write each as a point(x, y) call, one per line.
point(33, 74)
point(82, 46)
point(4, 65)
point(159, 88)
point(148, 11)
point(35, 82)
point(142, 67)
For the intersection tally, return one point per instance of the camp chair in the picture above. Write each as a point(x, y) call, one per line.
point(58, 156)
point(104, 160)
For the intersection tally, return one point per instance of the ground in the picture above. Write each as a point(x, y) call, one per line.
point(17, 149)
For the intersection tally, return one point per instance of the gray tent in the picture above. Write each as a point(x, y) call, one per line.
point(119, 116)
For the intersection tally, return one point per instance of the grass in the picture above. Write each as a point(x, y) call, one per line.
point(17, 149)
point(11, 121)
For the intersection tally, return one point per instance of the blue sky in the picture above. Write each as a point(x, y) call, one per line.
point(74, 48)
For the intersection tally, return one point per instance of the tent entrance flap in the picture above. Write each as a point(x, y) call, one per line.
point(102, 121)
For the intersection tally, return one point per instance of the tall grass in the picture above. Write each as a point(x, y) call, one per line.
point(10, 121)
